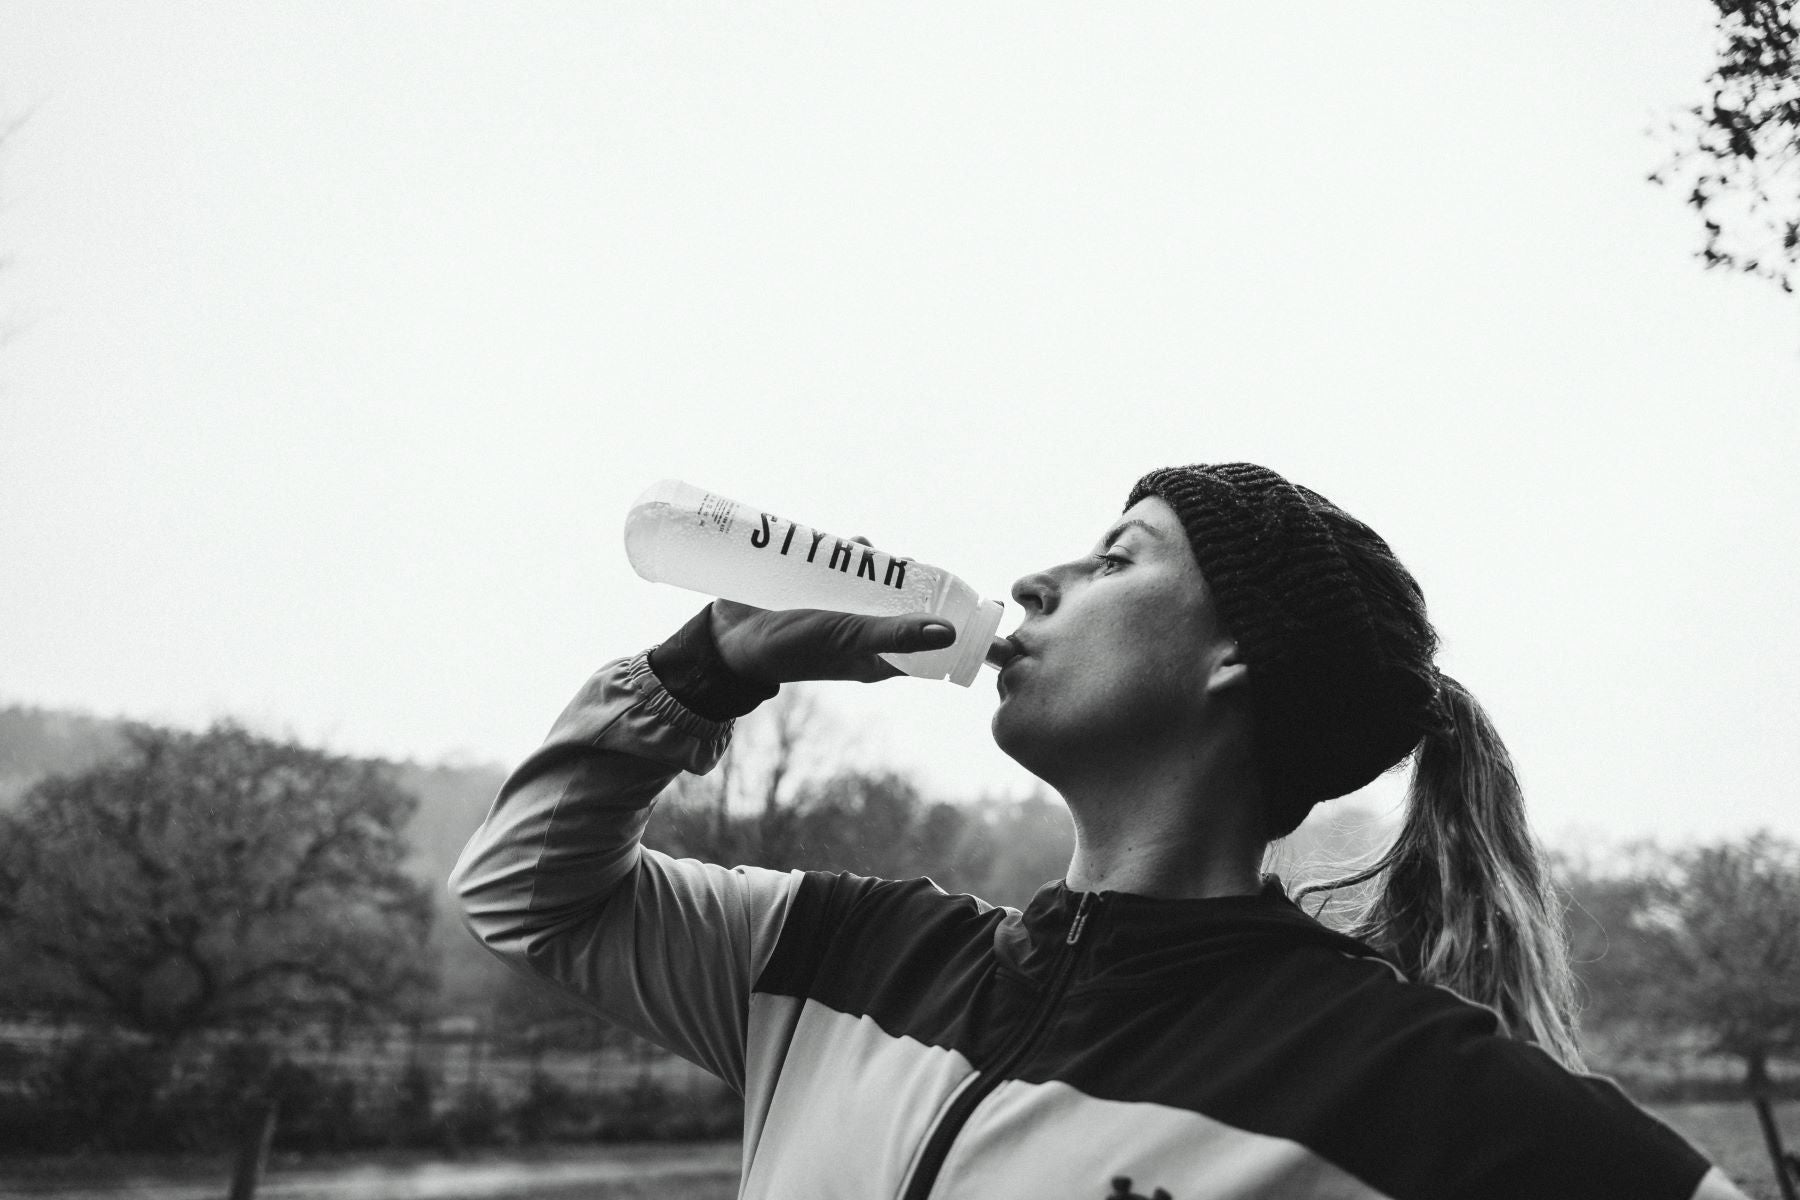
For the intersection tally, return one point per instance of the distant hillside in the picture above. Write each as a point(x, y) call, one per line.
point(452, 802)
point(35, 742)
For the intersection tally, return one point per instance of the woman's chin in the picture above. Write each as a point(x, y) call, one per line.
point(1020, 738)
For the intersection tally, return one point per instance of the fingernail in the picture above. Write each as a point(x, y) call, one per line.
point(940, 635)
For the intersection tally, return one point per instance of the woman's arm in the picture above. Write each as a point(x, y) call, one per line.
point(555, 882)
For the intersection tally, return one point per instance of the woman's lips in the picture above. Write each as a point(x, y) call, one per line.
point(1004, 653)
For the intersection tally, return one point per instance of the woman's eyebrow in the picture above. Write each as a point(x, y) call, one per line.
point(1118, 531)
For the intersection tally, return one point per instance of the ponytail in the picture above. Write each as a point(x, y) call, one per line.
point(1462, 899)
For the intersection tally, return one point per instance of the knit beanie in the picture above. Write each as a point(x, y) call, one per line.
point(1339, 652)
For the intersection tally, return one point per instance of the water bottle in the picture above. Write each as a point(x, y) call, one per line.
point(677, 533)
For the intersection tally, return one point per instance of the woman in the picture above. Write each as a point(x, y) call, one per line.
point(1162, 1022)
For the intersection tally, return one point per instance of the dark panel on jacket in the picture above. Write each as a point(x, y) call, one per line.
point(901, 952)
point(1407, 1087)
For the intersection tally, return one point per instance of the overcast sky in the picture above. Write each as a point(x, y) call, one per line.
point(347, 334)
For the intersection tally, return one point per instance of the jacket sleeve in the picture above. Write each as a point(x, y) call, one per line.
point(556, 884)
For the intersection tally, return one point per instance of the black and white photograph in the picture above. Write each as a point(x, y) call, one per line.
point(899, 602)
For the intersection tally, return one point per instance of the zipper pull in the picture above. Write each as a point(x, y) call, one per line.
point(1081, 916)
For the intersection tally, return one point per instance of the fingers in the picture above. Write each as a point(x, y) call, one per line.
point(858, 641)
point(935, 634)
point(795, 644)
point(895, 635)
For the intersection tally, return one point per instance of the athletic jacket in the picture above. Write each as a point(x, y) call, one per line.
point(893, 1042)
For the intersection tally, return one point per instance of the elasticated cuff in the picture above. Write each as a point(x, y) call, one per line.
point(692, 671)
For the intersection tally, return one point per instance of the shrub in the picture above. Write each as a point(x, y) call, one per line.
point(413, 1106)
point(475, 1118)
point(550, 1110)
point(649, 1111)
point(317, 1113)
point(99, 1093)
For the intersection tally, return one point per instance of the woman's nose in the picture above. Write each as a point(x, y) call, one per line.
point(1035, 593)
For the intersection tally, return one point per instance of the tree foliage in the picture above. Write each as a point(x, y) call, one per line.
point(1703, 941)
point(205, 879)
point(1738, 154)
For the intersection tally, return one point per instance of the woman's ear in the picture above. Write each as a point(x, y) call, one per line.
point(1228, 671)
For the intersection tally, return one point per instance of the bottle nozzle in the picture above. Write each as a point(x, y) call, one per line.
point(1000, 651)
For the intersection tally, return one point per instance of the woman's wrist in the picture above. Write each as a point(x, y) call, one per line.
point(694, 672)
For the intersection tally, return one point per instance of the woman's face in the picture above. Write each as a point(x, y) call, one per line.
point(1118, 645)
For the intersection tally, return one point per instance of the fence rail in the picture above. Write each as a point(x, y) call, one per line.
point(339, 1084)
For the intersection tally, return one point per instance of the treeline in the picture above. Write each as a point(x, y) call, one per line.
point(768, 803)
point(176, 888)
point(185, 915)
point(877, 822)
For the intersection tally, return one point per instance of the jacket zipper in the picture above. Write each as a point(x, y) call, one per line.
point(944, 1133)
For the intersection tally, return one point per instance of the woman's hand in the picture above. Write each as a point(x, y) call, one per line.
point(809, 643)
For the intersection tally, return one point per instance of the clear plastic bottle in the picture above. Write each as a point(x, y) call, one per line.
point(680, 534)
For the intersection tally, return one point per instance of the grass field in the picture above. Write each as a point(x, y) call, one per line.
point(1728, 1133)
point(1731, 1137)
point(665, 1171)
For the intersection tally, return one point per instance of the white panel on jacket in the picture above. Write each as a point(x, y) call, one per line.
point(850, 1110)
point(1048, 1139)
point(1716, 1187)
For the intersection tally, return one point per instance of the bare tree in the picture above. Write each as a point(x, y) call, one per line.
point(210, 879)
point(1739, 153)
point(1706, 942)
point(771, 749)
point(789, 736)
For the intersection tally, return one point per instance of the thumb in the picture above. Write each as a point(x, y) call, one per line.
point(904, 635)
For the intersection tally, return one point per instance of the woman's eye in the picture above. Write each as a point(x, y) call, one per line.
point(1104, 563)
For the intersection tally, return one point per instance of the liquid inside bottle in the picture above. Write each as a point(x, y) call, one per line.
point(680, 534)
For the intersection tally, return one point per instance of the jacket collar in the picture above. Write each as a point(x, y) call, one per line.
point(1128, 938)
